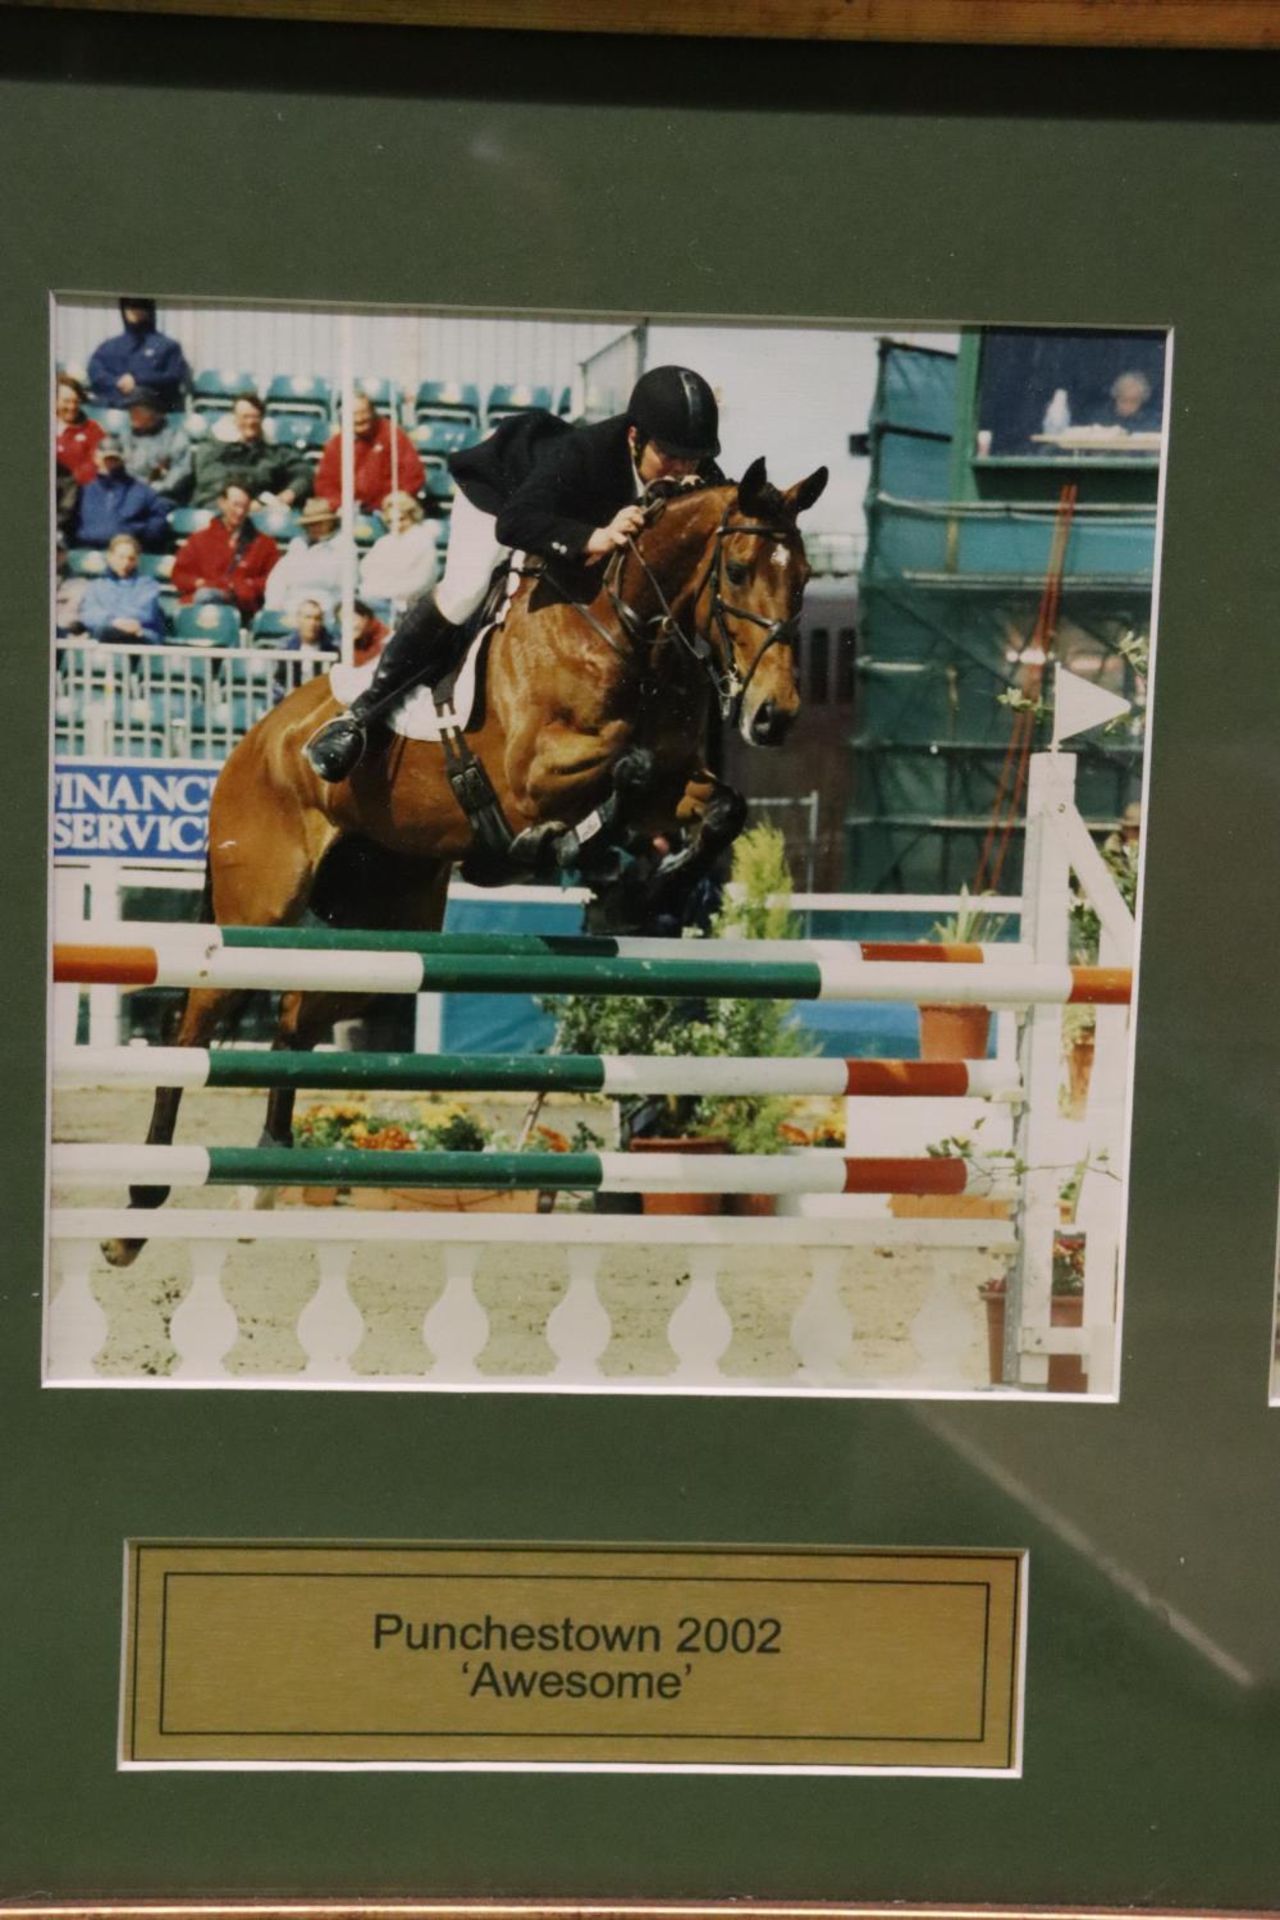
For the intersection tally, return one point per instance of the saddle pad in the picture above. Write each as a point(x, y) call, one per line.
point(415, 716)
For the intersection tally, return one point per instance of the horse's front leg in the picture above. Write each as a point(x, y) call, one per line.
point(652, 895)
point(568, 769)
point(711, 815)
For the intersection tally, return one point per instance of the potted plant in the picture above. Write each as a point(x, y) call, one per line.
point(755, 907)
point(961, 1031)
point(1079, 1024)
point(424, 1125)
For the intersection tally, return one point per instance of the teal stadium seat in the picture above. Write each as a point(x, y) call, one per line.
point(85, 563)
point(447, 400)
point(188, 520)
point(440, 485)
point(215, 388)
point(156, 566)
point(305, 431)
point(443, 437)
point(368, 528)
point(378, 388)
point(210, 625)
point(278, 523)
point(505, 400)
point(270, 627)
point(110, 419)
point(304, 393)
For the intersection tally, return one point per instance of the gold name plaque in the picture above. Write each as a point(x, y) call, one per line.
point(632, 1656)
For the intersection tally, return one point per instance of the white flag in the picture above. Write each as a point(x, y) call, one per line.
point(1078, 705)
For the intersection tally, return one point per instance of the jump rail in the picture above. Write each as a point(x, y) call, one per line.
point(812, 1171)
point(289, 960)
point(584, 1073)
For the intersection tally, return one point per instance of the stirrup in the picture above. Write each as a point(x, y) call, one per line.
point(336, 749)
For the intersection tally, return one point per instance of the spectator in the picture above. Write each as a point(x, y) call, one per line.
point(1130, 405)
point(371, 635)
point(139, 357)
point(403, 563)
point(312, 563)
point(68, 592)
point(156, 449)
point(117, 503)
point(272, 474)
point(77, 436)
point(373, 476)
point(311, 635)
point(123, 604)
point(228, 560)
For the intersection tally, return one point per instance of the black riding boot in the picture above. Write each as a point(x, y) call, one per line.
point(423, 648)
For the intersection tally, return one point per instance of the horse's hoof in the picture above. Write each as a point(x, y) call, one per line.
point(634, 771)
point(121, 1253)
point(535, 848)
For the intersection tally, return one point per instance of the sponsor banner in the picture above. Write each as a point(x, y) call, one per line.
point(132, 810)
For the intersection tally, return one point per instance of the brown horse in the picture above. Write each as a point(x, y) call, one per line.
point(590, 708)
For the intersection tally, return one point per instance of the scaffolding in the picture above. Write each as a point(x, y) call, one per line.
point(957, 621)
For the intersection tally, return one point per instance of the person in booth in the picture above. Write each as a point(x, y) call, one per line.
point(569, 494)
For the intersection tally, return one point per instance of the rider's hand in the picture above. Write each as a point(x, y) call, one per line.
point(624, 524)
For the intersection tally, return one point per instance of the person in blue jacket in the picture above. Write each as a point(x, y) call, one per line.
point(117, 503)
point(123, 604)
point(139, 357)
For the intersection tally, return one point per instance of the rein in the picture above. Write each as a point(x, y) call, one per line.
point(728, 685)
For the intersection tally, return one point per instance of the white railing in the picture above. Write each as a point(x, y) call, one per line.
point(396, 1300)
point(171, 703)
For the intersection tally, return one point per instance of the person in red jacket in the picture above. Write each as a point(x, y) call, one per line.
point(228, 560)
point(374, 479)
point(77, 436)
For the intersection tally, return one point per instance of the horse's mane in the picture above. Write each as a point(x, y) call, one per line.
point(769, 503)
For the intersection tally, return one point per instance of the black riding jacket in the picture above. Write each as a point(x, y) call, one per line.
point(551, 485)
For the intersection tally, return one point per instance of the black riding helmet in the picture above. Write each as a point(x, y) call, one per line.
point(675, 407)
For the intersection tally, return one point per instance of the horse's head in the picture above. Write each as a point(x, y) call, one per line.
point(748, 602)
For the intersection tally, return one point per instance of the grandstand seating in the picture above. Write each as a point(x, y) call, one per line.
point(277, 522)
point(208, 625)
point(300, 393)
point(368, 528)
point(110, 419)
point(270, 627)
point(506, 399)
point(156, 566)
point(305, 431)
point(84, 562)
point(443, 437)
point(214, 389)
point(380, 390)
point(188, 520)
point(440, 485)
point(447, 400)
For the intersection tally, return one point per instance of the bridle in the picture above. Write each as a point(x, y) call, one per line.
point(728, 685)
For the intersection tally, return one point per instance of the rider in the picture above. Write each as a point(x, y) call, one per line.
point(566, 493)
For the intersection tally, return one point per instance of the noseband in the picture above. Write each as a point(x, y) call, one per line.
point(728, 685)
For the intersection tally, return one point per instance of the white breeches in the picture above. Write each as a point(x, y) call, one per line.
point(474, 552)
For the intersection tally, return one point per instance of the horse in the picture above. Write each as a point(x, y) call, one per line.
point(592, 732)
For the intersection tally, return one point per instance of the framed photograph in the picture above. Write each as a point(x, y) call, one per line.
point(818, 502)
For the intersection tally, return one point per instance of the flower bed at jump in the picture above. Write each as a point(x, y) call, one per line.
point(432, 1125)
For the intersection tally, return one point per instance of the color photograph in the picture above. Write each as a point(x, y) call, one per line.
point(595, 854)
